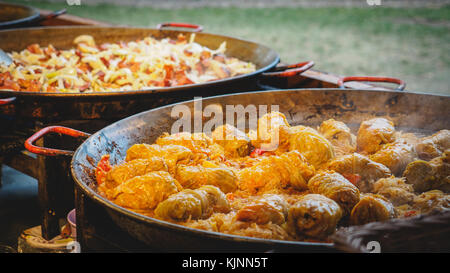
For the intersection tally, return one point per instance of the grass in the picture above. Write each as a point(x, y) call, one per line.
point(411, 44)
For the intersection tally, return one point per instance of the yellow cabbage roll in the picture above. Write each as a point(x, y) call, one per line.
point(373, 133)
point(127, 170)
point(334, 186)
point(372, 208)
point(145, 192)
point(193, 177)
point(266, 208)
point(314, 215)
point(193, 204)
point(275, 173)
point(235, 142)
point(339, 135)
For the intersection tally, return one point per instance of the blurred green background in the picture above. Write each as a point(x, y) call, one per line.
point(407, 42)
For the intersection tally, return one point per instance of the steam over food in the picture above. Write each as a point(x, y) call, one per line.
point(313, 182)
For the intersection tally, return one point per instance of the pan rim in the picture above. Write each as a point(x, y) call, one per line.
point(259, 71)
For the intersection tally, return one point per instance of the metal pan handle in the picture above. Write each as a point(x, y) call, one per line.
point(54, 14)
point(48, 151)
point(7, 101)
point(401, 84)
point(196, 28)
point(50, 16)
point(287, 71)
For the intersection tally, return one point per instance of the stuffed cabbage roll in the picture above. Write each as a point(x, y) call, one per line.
point(396, 156)
point(272, 132)
point(196, 142)
point(339, 135)
point(373, 133)
point(275, 173)
point(127, 170)
point(425, 176)
point(395, 189)
point(145, 192)
point(334, 186)
point(172, 154)
point(235, 142)
point(193, 177)
point(371, 208)
point(267, 208)
point(433, 146)
point(360, 169)
point(313, 146)
point(434, 200)
point(314, 215)
point(193, 204)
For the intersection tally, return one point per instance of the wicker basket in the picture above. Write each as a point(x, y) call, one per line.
point(423, 233)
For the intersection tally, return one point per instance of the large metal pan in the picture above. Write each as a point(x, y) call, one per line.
point(115, 104)
point(411, 112)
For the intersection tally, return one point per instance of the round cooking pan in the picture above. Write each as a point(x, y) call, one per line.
point(14, 15)
point(106, 105)
point(411, 112)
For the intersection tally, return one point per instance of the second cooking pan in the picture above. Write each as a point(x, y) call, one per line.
point(110, 105)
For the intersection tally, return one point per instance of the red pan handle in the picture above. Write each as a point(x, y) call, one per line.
point(287, 71)
point(197, 28)
point(54, 14)
point(401, 84)
point(48, 151)
point(7, 101)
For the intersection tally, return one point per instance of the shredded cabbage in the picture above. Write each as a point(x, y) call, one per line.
point(143, 64)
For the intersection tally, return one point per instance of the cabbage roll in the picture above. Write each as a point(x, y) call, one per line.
point(267, 208)
point(432, 175)
point(145, 192)
point(272, 132)
point(127, 170)
point(339, 135)
point(275, 173)
point(336, 187)
point(235, 142)
point(433, 146)
point(314, 215)
point(313, 146)
point(356, 164)
point(172, 154)
point(373, 133)
point(193, 177)
point(371, 208)
point(193, 204)
point(196, 142)
point(395, 189)
point(434, 200)
point(396, 156)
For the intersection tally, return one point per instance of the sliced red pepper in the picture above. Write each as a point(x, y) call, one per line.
point(353, 178)
point(35, 49)
point(103, 167)
point(410, 213)
point(259, 152)
point(10, 85)
point(181, 78)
